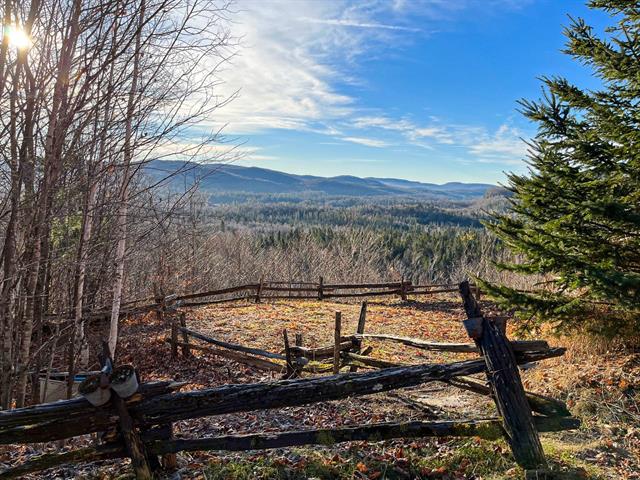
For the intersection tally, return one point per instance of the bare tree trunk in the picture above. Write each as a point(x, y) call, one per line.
point(41, 230)
point(124, 189)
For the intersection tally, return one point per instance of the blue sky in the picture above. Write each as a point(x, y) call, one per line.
point(417, 89)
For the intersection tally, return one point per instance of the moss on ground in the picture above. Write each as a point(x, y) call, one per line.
point(443, 459)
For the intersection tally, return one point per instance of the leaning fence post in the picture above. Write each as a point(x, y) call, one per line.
point(504, 378)
point(336, 347)
point(359, 331)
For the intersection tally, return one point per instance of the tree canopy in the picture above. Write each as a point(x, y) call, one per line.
point(575, 216)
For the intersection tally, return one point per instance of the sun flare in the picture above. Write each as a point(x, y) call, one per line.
point(17, 37)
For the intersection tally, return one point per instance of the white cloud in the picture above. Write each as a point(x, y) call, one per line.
point(355, 24)
point(293, 52)
point(205, 152)
point(369, 142)
point(504, 146)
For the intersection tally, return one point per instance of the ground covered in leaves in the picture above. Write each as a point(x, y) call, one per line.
point(600, 388)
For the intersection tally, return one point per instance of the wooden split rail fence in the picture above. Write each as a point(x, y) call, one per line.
point(274, 290)
point(144, 420)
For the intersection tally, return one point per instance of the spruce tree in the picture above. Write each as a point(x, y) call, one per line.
point(575, 216)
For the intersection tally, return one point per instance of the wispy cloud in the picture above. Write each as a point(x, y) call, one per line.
point(356, 24)
point(504, 145)
point(369, 142)
point(295, 55)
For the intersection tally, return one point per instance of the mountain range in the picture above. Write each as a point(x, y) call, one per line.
point(216, 178)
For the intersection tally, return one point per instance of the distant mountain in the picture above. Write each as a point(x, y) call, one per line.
point(216, 178)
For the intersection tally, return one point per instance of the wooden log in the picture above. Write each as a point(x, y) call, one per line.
point(321, 353)
point(509, 394)
point(70, 421)
point(238, 357)
point(538, 403)
point(372, 362)
point(287, 297)
point(403, 290)
point(286, 393)
point(362, 294)
point(289, 289)
point(417, 291)
point(233, 346)
point(518, 345)
point(489, 429)
point(221, 291)
point(351, 286)
point(321, 288)
point(50, 460)
point(212, 302)
point(336, 346)
point(186, 352)
point(76, 408)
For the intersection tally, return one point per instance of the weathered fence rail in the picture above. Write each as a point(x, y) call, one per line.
point(273, 290)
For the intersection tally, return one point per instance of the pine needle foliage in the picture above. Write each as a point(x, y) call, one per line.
point(575, 216)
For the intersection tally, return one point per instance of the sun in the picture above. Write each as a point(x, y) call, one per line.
point(18, 38)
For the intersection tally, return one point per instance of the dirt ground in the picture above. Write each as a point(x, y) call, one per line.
point(600, 389)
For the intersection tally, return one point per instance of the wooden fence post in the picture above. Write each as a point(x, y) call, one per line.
point(259, 291)
point(360, 330)
point(186, 351)
point(403, 290)
point(320, 288)
point(287, 350)
point(504, 378)
point(298, 365)
point(170, 460)
point(133, 443)
point(174, 338)
point(162, 307)
point(336, 347)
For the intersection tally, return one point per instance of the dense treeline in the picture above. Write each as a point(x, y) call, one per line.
point(197, 249)
point(397, 215)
